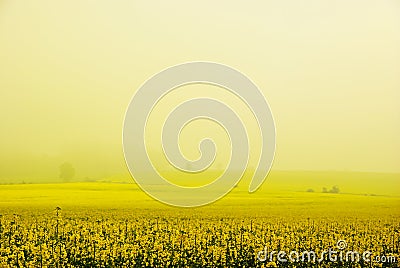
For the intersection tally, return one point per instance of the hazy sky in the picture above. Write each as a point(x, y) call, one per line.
point(330, 71)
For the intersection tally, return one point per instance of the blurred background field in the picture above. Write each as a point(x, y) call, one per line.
point(282, 192)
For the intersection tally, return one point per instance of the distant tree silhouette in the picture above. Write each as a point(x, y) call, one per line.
point(333, 190)
point(67, 171)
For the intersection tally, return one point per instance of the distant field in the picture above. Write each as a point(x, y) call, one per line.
point(298, 181)
point(359, 193)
